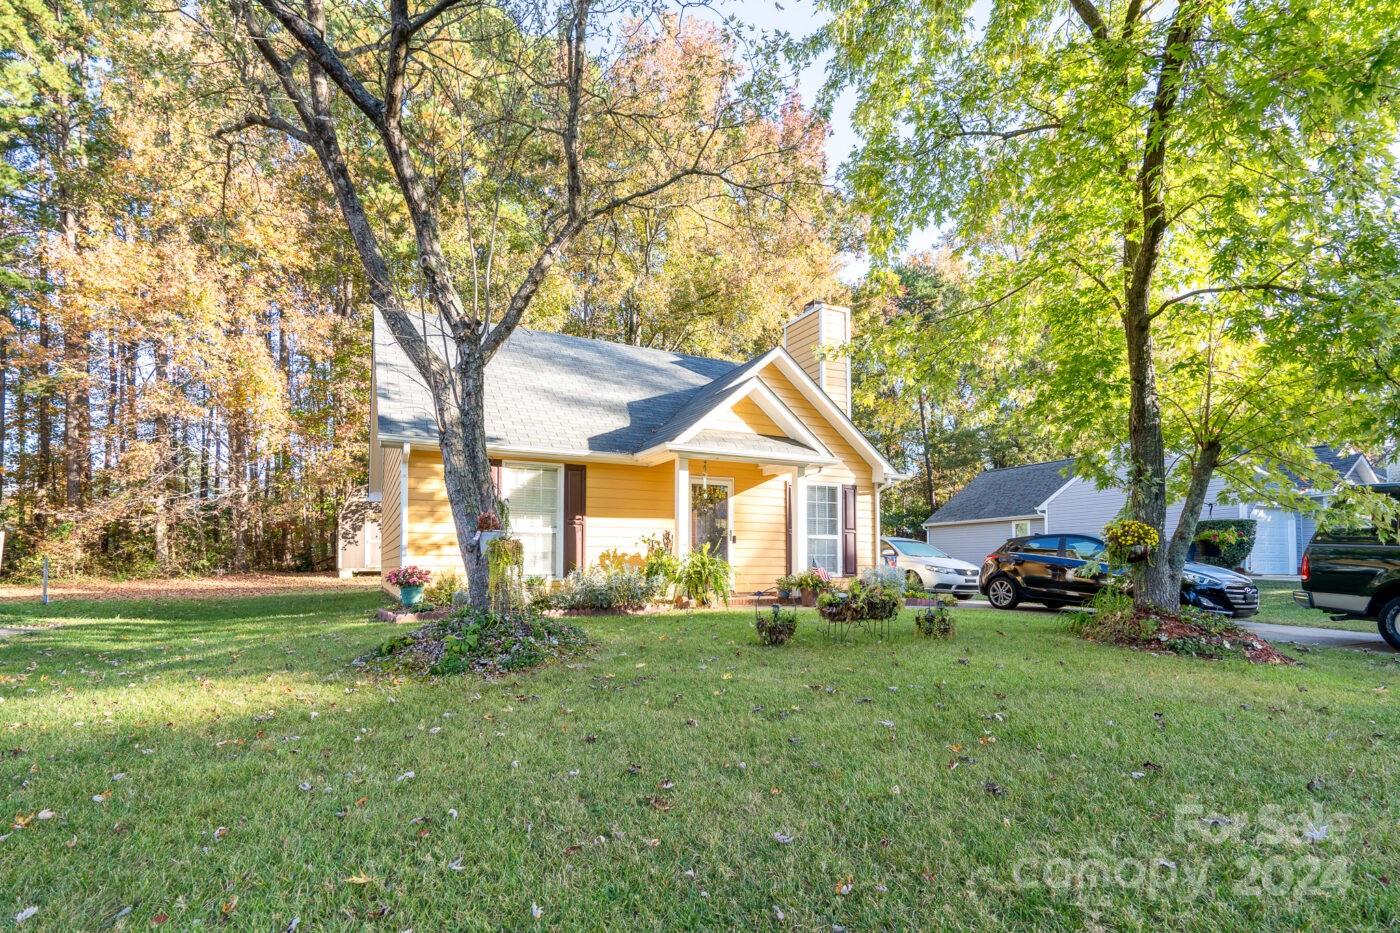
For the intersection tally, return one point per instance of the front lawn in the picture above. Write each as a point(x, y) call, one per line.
point(207, 763)
point(1276, 605)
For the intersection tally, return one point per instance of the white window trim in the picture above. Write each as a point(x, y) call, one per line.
point(558, 468)
point(1021, 521)
point(807, 527)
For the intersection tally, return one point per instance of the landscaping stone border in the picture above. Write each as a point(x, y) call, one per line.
point(408, 616)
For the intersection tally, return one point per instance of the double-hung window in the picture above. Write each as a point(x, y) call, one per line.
point(536, 501)
point(824, 526)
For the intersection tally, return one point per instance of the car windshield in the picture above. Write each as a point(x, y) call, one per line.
point(911, 548)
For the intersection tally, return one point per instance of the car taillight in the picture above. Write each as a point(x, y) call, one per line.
point(1306, 568)
point(991, 556)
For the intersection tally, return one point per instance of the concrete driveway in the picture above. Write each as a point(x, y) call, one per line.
point(1320, 637)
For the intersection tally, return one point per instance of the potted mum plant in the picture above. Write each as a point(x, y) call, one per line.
point(488, 527)
point(410, 581)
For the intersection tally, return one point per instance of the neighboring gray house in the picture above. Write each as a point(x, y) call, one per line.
point(1048, 497)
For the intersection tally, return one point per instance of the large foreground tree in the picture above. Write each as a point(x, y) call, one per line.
point(462, 142)
point(1186, 192)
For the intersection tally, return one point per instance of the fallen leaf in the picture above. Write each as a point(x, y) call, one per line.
point(536, 911)
point(845, 886)
point(782, 839)
point(25, 914)
point(361, 878)
point(229, 906)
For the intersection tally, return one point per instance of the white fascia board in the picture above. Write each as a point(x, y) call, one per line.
point(771, 405)
point(757, 456)
point(1051, 498)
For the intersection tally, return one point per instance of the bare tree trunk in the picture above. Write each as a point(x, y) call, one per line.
point(1156, 583)
point(930, 489)
point(1202, 469)
point(161, 501)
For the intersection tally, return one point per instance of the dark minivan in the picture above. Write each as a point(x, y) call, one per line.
point(1352, 572)
point(1040, 569)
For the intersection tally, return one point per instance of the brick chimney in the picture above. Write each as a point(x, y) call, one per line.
point(822, 325)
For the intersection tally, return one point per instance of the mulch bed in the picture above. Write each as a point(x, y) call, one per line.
point(1256, 650)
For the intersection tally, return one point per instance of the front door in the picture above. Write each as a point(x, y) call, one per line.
point(710, 521)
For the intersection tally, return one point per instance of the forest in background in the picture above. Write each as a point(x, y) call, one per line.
point(184, 329)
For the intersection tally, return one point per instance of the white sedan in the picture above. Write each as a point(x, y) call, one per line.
point(934, 570)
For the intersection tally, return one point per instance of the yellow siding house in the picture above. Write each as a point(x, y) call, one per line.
point(597, 446)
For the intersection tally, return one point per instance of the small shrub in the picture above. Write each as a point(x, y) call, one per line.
point(537, 592)
point(660, 565)
point(598, 590)
point(439, 592)
point(1114, 619)
point(776, 627)
point(936, 621)
point(788, 584)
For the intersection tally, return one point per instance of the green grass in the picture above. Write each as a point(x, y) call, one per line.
point(1276, 606)
point(215, 712)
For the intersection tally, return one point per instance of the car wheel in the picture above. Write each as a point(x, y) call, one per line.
point(1003, 593)
point(912, 580)
point(1389, 623)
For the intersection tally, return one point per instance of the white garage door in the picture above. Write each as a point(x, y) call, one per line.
point(1274, 542)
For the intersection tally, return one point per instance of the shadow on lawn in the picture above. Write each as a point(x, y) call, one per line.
point(198, 639)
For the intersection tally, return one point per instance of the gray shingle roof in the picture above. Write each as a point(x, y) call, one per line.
point(559, 392)
point(1018, 490)
point(1006, 492)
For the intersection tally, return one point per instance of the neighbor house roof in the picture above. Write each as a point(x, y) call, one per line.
point(1004, 493)
point(1018, 491)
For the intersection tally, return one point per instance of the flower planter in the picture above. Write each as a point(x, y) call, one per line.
point(484, 538)
point(809, 598)
point(410, 596)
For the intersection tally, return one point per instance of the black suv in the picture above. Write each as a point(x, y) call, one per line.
point(1040, 569)
point(1354, 573)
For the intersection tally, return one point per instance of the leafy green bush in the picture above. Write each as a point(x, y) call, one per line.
point(1225, 542)
point(480, 641)
point(443, 585)
point(598, 590)
point(1114, 619)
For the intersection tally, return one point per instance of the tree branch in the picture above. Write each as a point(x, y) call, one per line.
point(310, 39)
point(1090, 15)
point(266, 122)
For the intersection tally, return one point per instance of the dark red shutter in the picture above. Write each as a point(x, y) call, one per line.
point(787, 533)
point(848, 530)
point(496, 476)
point(575, 503)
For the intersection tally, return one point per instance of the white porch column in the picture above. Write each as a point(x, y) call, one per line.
point(799, 520)
point(682, 537)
